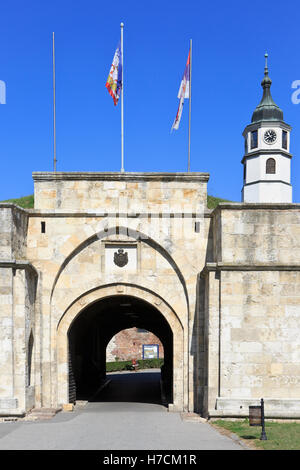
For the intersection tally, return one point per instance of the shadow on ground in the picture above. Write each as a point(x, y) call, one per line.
point(139, 387)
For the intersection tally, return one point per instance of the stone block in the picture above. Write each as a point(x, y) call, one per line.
point(8, 403)
point(67, 407)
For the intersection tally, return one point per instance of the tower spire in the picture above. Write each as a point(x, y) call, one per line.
point(267, 82)
point(267, 110)
point(266, 63)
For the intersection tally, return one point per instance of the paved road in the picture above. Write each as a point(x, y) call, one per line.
point(133, 419)
point(137, 387)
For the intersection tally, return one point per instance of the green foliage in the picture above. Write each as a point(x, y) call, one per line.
point(126, 365)
point(280, 436)
point(117, 365)
point(212, 201)
point(150, 363)
point(27, 202)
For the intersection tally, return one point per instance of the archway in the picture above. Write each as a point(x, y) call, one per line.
point(95, 318)
point(93, 329)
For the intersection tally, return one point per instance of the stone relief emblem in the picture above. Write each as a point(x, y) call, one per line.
point(120, 258)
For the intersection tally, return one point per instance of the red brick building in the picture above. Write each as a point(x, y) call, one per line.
point(134, 343)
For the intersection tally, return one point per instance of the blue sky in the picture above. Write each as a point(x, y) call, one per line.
point(229, 42)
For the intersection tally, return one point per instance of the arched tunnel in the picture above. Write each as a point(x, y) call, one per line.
point(93, 329)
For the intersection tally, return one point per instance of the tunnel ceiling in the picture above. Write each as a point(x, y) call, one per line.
point(117, 313)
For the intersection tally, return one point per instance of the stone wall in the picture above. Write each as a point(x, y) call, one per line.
point(253, 311)
point(13, 232)
point(259, 347)
point(6, 249)
point(113, 192)
point(257, 234)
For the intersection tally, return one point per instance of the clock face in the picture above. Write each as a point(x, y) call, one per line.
point(270, 136)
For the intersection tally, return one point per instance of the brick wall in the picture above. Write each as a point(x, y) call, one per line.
point(128, 344)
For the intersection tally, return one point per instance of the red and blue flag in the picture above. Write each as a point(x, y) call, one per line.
point(183, 93)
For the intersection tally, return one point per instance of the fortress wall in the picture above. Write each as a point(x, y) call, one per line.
point(259, 334)
point(257, 253)
point(258, 234)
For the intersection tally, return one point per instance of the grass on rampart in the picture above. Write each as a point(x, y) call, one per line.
point(27, 202)
point(212, 201)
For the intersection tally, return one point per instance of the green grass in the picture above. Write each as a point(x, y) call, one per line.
point(212, 201)
point(27, 202)
point(281, 436)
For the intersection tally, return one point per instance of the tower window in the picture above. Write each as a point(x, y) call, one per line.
point(245, 172)
point(284, 139)
point(43, 227)
point(270, 166)
point(253, 139)
point(246, 144)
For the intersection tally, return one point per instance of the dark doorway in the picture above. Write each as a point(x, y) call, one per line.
point(88, 337)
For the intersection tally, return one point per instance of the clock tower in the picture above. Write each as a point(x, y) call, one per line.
point(267, 161)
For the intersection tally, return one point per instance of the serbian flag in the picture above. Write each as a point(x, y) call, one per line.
point(115, 78)
point(183, 93)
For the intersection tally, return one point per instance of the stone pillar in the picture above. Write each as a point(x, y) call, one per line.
point(16, 338)
point(211, 339)
point(17, 298)
point(6, 341)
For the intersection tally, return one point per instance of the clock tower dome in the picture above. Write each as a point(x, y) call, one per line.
point(267, 161)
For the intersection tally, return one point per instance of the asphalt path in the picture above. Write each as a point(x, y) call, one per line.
point(126, 415)
point(137, 387)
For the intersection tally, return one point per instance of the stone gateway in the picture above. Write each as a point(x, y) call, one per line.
point(104, 252)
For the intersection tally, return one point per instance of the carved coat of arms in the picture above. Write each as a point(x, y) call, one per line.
point(120, 258)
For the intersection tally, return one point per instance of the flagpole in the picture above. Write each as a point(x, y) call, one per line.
point(54, 110)
point(190, 107)
point(122, 103)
